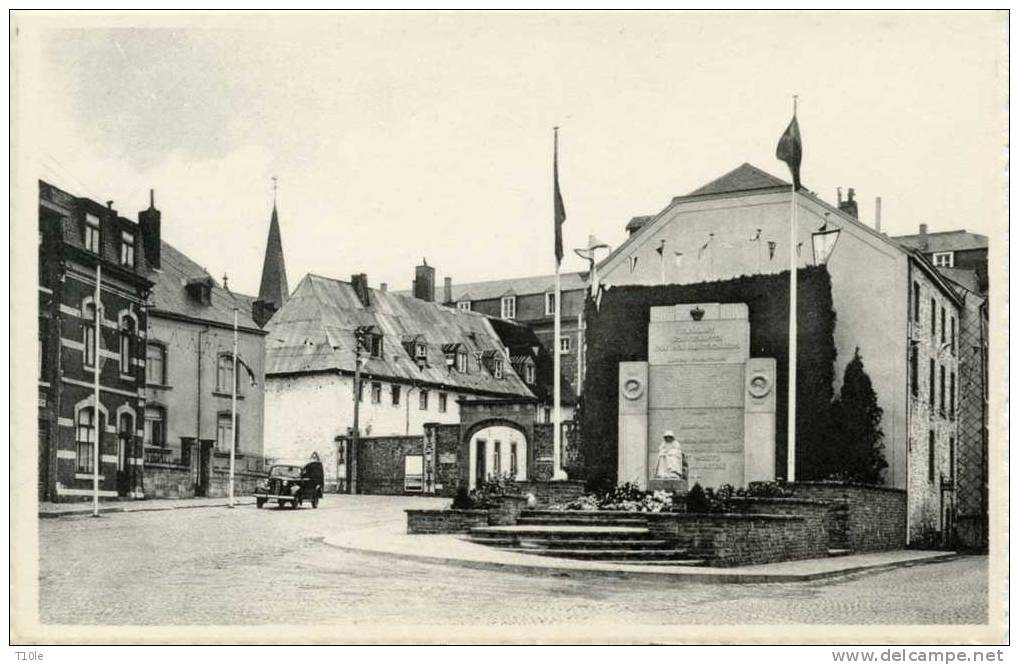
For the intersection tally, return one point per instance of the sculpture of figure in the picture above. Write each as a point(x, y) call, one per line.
point(671, 460)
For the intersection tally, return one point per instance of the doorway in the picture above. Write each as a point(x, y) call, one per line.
point(125, 437)
point(204, 467)
point(480, 472)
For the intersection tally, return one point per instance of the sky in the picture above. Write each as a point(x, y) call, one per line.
point(397, 137)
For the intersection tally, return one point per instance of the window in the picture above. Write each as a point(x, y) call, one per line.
point(443, 400)
point(461, 361)
point(914, 369)
point(548, 414)
point(396, 395)
point(930, 457)
point(509, 307)
point(225, 375)
point(127, 249)
point(951, 458)
point(85, 439)
point(513, 459)
point(126, 344)
point(565, 344)
point(942, 325)
point(413, 473)
point(155, 426)
point(376, 392)
point(944, 259)
point(916, 301)
point(464, 305)
point(930, 397)
point(497, 459)
point(420, 350)
point(360, 391)
point(934, 318)
point(423, 400)
point(951, 339)
point(941, 383)
point(951, 396)
point(88, 338)
point(497, 370)
point(225, 435)
point(529, 374)
point(155, 364)
point(91, 233)
point(550, 304)
point(372, 343)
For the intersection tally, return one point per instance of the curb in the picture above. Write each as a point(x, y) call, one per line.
point(134, 509)
point(720, 577)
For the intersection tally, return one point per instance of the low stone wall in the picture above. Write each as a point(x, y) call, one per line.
point(244, 483)
point(731, 539)
point(168, 481)
point(445, 521)
point(863, 518)
point(550, 492)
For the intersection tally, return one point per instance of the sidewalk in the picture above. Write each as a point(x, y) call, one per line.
point(48, 509)
point(391, 540)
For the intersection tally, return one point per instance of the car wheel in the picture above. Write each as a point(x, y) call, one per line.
point(293, 504)
point(314, 502)
point(280, 503)
point(259, 503)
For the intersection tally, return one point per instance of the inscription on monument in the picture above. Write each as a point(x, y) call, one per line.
point(672, 342)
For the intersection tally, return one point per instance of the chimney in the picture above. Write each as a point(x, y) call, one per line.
point(924, 242)
point(849, 205)
point(383, 287)
point(877, 214)
point(838, 196)
point(360, 284)
point(447, 290)
point(149, 223)
point(424, 282)
point(637, 223)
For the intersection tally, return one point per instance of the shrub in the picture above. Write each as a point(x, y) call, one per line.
point(857, 440)
point(764, 489)
point(697, 500)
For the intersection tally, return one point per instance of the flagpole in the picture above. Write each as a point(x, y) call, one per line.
point(233, 415)
point(557, 433)
point(95, 394)
point(791, 445)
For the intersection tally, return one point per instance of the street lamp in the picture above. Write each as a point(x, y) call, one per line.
point(823, 240)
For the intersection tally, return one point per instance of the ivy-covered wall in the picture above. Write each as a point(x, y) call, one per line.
point(617, 331)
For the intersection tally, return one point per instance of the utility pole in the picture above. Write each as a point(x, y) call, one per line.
point(97, 361)
point(355, 435)
point(233, 414)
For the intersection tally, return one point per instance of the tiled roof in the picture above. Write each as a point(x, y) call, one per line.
point(314, 331)
point(274, 271)
point(944, 241)
point(743, 178)
point(518, 286)
point(169, 293)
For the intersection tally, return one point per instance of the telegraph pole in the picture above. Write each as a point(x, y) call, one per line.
point(98, 438)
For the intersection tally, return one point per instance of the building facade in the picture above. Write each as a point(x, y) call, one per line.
point(739, 224)
point(954, 250)
point(189, 377)
point(79, 239)
point(418, 362)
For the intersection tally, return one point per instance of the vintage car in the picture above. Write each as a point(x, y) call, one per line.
point(291, 483)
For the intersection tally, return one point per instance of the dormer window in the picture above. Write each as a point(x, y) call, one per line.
point(371, 343)
point(509, 307)
point(461, 361)
point(497, 370)
point(91, 233)
point(494, 361)
point(127, 249)
point(199, 289)
point(944, 259)
point(549, 304)
point(456, 357)
point(464, 305)
point(416, 348)
point(524, 365)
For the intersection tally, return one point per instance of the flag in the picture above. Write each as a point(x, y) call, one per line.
point(557, 203)
point(757, 236)
point(790, 150)
point(704, 247)
point(661, 248)
point(771, 249)
point(633, 263)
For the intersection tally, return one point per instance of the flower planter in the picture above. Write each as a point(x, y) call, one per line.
point(507, 509)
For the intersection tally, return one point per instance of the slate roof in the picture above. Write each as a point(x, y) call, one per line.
point(518, 286)
point(314, 332)
point(743, 178)
point(522, 342)
point(273, 287)
point(967, 278)
point(169, 294)
point(943, 241)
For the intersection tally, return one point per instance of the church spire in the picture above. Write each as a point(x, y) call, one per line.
point(274, 272)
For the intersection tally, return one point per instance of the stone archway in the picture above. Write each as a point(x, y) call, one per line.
point(496, 448)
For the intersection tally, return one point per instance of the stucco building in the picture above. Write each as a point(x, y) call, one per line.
point(189, 376)
point(739, 223)
point(78, 239)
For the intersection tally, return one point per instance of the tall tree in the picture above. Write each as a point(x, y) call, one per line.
point(856, 419)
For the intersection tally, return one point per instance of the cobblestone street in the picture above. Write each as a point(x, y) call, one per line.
point(249, 566)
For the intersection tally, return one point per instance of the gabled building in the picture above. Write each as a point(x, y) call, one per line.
point(189, 376)
point(890, 303)
point(952, 251)
point(420, 362)
point(80, 239)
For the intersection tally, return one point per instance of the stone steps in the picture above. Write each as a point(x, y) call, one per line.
point(537, 542)
point(839, 552)
point(580, 518)
point(617, 555)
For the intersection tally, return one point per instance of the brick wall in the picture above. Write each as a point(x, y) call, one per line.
point(727, 539)
point(380, 462)
point(872, 518)
point(542, 447)
point(445, 521)
point(551, 492)
point(450, 456)
point(169, 481)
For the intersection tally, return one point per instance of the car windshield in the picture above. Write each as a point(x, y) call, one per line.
point(285, 471)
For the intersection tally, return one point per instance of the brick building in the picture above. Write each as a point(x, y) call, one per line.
point(189, 376)
point(78, 238)
point(952, 250)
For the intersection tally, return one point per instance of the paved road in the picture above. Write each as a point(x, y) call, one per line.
point(249, 566)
